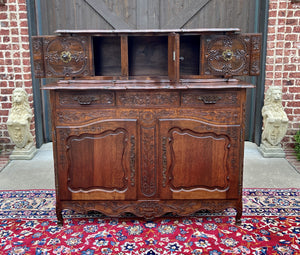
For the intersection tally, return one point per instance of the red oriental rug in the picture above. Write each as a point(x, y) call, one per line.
point(270, 225)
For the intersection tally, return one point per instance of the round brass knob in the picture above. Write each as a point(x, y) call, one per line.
point(66, 56)
point(227, 55)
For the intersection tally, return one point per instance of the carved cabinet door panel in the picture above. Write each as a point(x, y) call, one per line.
point(198, 160)
point(98, 161)
point(59, 56)
point(231, 55)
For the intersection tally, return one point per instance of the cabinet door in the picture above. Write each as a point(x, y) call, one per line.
point(198, 160)
point(62, 56)
point(97, 161)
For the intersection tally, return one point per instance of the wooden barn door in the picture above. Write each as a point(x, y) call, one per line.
point(149, 14)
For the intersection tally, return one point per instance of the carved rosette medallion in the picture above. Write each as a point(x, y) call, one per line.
point(66, 56)
point(227, 55)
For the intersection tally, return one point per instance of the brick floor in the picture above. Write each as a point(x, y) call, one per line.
point(292, 159)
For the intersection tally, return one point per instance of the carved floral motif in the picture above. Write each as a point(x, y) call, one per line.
point(227, 55)
point(66, 56)
point(148, 99)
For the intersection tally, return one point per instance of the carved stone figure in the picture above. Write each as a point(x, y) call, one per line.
point(18, 125)
point(275, 124)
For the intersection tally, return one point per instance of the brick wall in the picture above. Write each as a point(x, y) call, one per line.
point(14, 61)
point(283, 59)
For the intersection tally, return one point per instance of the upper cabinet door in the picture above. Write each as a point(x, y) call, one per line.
point(62, 56)
point(231, 55)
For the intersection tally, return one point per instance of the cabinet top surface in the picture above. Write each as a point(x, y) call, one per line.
point(147, 84)
point(151, 31)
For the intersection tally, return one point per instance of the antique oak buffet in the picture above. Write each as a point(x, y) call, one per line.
point(148, 122)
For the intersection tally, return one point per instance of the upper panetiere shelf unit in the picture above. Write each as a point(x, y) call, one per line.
point(151, 54)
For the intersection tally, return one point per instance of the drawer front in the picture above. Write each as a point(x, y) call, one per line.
point(86, 99)
point(148, 99)
point(209, 98)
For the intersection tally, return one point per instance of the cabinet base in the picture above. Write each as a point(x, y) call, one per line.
point(149, 209)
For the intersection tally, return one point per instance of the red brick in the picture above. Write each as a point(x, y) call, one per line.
point(281, 21)
point(273, 6)
point(280, 29)
point(4, 31)
point(282, 5)
point(277, 82)
point(294, 104)
point(272, 22)
point(17, 70)
point(295, 75)
point(280, 36)
point(296, 29)
point(288, 29)
point(6, 105)
point(270, 52)
point(291, 37)
point(3, 15)
point(15, 31)
point(12, 8)
point(23, 15)
point(24, 23)
point(289, 68)
point(25, 46)
point(13, 24)
point(281, 13)
point(22, 7)
point(26, 62)
point(297, 111)
point(17, 61)
point(287, 97)
point(18, 77)
point(15, 39)
point(291, 21)
point(26, 76)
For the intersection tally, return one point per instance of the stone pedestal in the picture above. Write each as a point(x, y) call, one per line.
point(23, 153)
point(271, 152)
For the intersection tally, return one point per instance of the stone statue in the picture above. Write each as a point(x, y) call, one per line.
point(18, 125)
point(275, 124)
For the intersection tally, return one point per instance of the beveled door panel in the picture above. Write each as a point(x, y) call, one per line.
point(99, 160)
point(192, 151)
point(198, 159)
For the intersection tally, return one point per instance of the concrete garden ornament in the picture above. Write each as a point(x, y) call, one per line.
point(18, 125)
point(275, 124)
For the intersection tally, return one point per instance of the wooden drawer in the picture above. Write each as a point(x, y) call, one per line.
point(198, 98)
point(86, 98)
point(148, 99)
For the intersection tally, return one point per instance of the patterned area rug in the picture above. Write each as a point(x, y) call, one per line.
point(270, 225)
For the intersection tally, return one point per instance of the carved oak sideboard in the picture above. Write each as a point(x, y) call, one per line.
point(148, 122)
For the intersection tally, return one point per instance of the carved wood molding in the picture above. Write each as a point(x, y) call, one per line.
point(150, 209)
